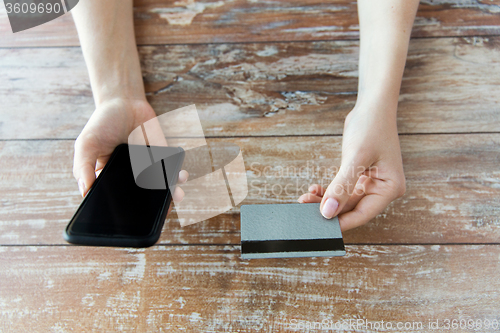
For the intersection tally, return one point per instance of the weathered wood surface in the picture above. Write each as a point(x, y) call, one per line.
point(453, 192)
point(190, 21)
point(210, 289)
point(450, 85)
point(270, 91)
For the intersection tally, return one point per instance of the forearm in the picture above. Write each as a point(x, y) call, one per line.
point(106, 33)
point(385, 27)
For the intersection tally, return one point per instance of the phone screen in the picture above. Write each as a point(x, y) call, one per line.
point(116, 207)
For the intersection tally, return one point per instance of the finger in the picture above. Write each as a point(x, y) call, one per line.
point(84, 165)
point(97, 173)
point(183, 177)
point(317, 190)
point(309, 198)
point(358, 194)
point(368, 207)
point(340, 190)
point(101, 162)
point(178, 194)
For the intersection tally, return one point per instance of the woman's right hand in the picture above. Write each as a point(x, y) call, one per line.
point(109, 126)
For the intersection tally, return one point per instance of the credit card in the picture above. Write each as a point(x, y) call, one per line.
point(287, 231)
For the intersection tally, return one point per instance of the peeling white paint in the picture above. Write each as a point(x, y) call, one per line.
point(309, 30)
point(195, 317)
point(104, 276)
point(136, 273)
point(220, 112)
point(37, 224)
point(88, 300)
point(165, 269)
point(210, 62)
point(268, 51)
point(59, 328)
point(185, 11)
point(470, 4)
point(440, 208)
point(181, 301)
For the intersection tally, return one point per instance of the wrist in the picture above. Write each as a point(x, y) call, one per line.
point(124, 103)
point(111, 92)
point(383, 103)
point(119, 81)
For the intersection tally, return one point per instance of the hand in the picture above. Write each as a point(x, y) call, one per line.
point(109, 126)
point(371, 172)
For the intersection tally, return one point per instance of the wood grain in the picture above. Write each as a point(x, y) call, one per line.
point(190, 21)
point(452, 190)
point(431, 255)
point(210, 289)
point(301, 88)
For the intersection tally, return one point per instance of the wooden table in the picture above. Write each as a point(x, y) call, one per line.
point(277, 78)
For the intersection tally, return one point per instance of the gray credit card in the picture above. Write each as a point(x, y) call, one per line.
point(288, 230)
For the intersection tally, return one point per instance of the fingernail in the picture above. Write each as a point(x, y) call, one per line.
point(329, 208)
point(310, 189)
point(300, 200)
point(81, 186)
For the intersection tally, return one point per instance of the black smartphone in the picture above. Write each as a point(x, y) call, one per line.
point(118, 212)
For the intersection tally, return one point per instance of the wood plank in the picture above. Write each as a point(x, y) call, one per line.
point(452, 190)
point(189, 21)
point(210, 289)
point(450, 85)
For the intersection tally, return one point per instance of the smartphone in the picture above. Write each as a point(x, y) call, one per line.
point(118, 212)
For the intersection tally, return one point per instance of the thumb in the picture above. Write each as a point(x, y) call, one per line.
point(84, 164)
point(340, 190)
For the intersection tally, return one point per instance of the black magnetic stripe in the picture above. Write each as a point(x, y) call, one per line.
point(293, 245)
